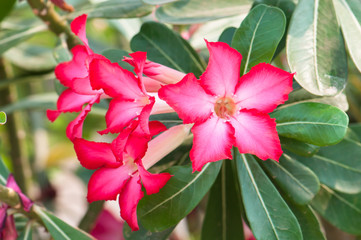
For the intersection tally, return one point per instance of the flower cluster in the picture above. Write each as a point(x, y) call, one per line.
point(222, 108)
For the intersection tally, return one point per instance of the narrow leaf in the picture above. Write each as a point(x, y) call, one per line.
point(4, 172)
point(258, 36)
point(315, 48)
point(223, 218)
point(314, 123)
point(268, 214)
point(298, 147)
point(178, 197)
point(27, 234)
point(2, 118)
point(297, 181)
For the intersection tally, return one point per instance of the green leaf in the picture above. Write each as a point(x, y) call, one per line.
point(42, 101)
point(6, 7)
point(178, 197)
point(314, 123)
point(349, 16)
point(117, 55)
point(27, 234)
point(62, 54)
point(227, 35)
point(297, 181)
point(165, 47)
point(309, 223)
point(2, 118)
point(338, 166)
point(9, 39)
point(258, 36)
point(223, 218)
point(158, 2)
point(315, 48)
point(114, 9)
point(58, 229)
point(341, 210)
point(195, 11)
point(298, 147)
point(268, 214)
point(4, 172)
point(144, 234)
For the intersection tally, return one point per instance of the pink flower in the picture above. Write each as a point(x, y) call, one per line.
point(228, 110)
point(75, 75)
point(120, 170)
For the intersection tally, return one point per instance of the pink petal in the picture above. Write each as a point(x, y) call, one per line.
point(52, 115)
point(107, 227)
point(93, 155)
point(144, 117)
point(222, 73)
point(26, 202)
point(114, 80)
point(63, 5)
point(263, 88)
point(256, 134)
point(107, 183)
point(156, 127)
point(128, 201)
point(76, 68)
point(137, 146)
point(153, 182)
point(78, 26)
point(82, 86)
point(151, 85)
point(119, 143)
point(188, 99)
point(137, 61)
point(9, 232)
point(120, 114)
point(212, 141)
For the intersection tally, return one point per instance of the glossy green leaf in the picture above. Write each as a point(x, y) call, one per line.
point(4, 172)
point(178, 197)
point(310, 226)
point(144, 234)
point(338, 166)
point(297, 181)
point(298, 147)
point(114, 9)
point(227, 35)
point(349, 15)
point(2, 118)
point(223, 218)
point(314, 123)
point(356, 129)
point(268, 214)
point(27, 234)
point(258, 36)
point(9, 39)
point(165, 47)
point(58, 229)
point(117, 55)
point(195, 11)
point(315, 48)
point(6, 7)
point(341, 210)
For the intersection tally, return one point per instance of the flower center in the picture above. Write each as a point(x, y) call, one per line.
point(225, 107)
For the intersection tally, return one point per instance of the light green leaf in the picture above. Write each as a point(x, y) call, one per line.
point(58, 229)
point(114, 9)
point(195, 11)
point(338, 166)
point(341, 210)
point(2, 118)
point(158, 2)
point(268, 214)
point(178, 197)
point(315, 48)
point(165, 47)
point(297, 181)
point(4, 173)
point(258, 36)
point(349, 15)
point(223, 218)
point(314, 123)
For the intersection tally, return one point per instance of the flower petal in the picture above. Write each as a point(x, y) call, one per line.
point(256, 134)
point(212, 141)
point(107, 183)
point(263, 88)
point(153, 182)
point(26, 202)
point(78, 26)
point(128, 202)
point(93, 155)
point(188, 99)
point(222, 73)
point(114, 80)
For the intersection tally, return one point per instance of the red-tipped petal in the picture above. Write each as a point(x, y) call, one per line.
point(107, 183)
point(153, 182)
point(256, 134)
point(26, 202)
point(128, 202)
point(263, 88)
point(213, 140)
point(222, 73)
point(78, 27)
point(156, 127)
point(93, 155)
point(52, 114)
point(188, 99)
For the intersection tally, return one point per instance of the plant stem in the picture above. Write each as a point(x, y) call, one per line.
point(57, 24)
point(91, 215)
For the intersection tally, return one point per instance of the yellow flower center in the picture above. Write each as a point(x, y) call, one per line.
point(225, 107)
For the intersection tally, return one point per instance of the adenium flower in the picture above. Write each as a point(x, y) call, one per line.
point(7, 223)
point(228, 110)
